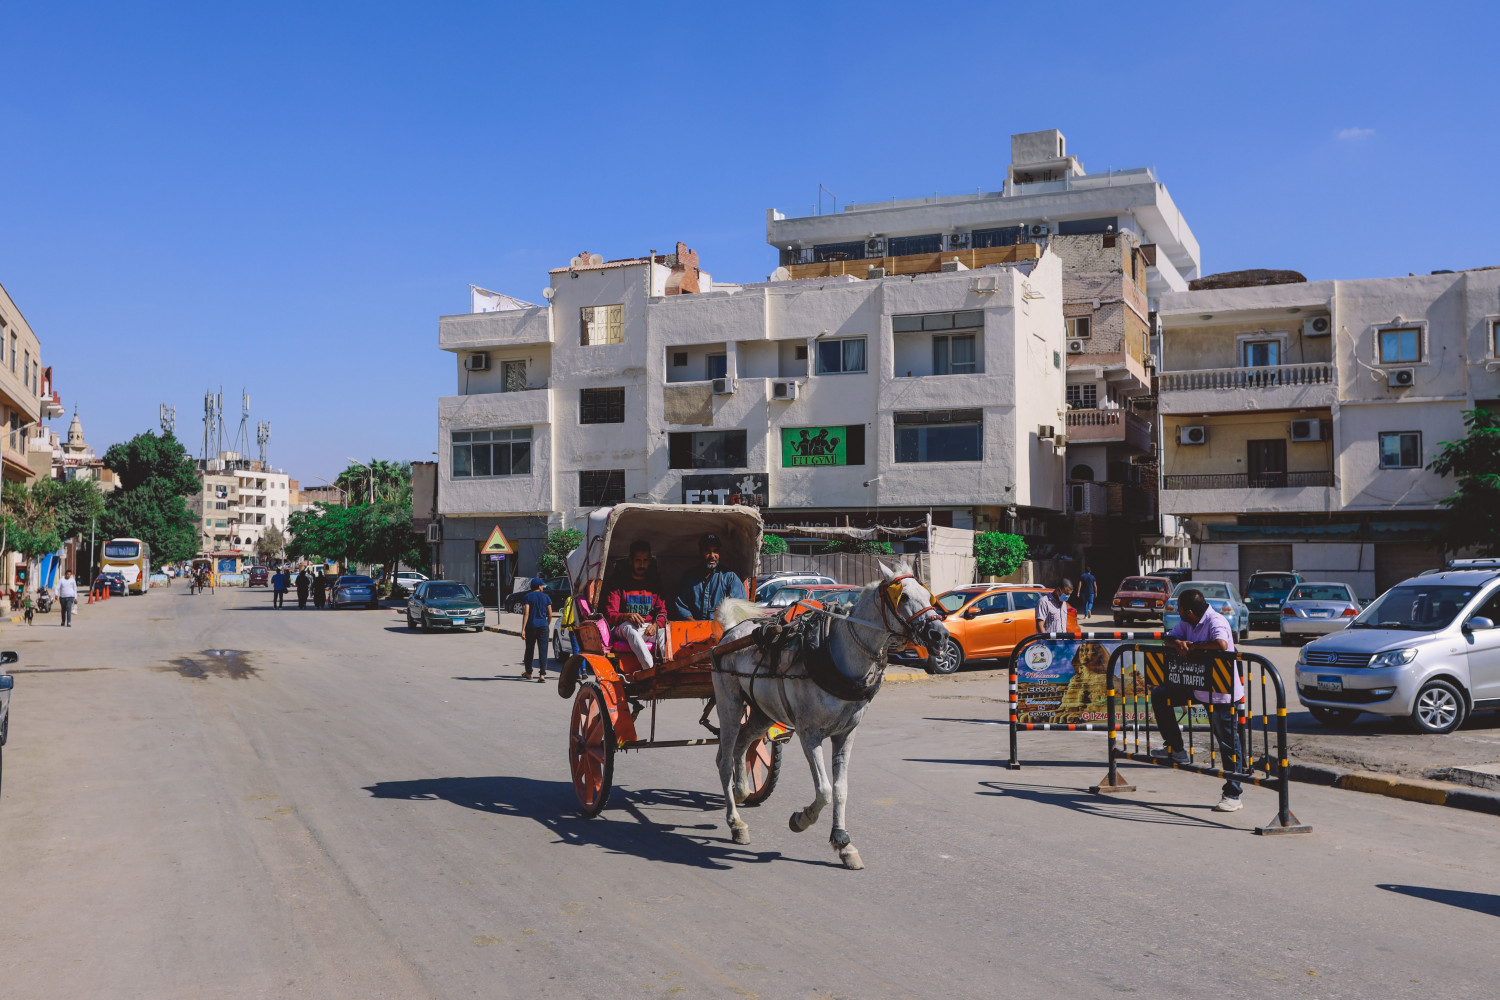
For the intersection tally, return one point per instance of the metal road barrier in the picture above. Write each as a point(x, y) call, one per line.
point(1139, 670)
point(1058, 681)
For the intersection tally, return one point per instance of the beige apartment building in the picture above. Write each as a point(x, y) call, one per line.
point(1298, 418)
point(237, 502)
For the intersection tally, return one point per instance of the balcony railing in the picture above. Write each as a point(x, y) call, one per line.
point(1245, 481)
point(1269, 377)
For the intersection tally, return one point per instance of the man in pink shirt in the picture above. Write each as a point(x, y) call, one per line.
point(1201, 630)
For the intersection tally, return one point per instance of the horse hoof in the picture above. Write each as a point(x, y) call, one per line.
point(797, 824)
point(850, 857)
point(740, 835)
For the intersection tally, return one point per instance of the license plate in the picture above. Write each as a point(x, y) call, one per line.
point(1319, 614)
point(1330, 683)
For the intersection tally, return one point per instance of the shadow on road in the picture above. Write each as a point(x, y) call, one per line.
point(1480, 902)
point(1107, 806)
point(972, 722)
point(504, 677)
point(1002, 761)
point(553, 805)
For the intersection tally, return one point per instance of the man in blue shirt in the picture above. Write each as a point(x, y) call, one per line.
point(1087, 587)
point(536, 620)
point(703, 590)
point(278, 588)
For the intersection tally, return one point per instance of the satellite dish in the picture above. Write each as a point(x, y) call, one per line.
point(547, 293)
point(780, 274)
point(578, 261)
point(595, 259)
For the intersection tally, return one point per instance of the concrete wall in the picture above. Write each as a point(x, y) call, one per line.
point(1225, 451)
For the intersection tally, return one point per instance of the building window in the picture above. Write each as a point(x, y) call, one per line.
point(800, 352)
point(902, 245)
point(26, 369)
point(1086, 227)
point(839, 251)
point(513, 378)
point(1400, 346)
point(601, 406)
point(1495, 338)
point(1009, 236)
point(973, 320)
point(953, 355)
point(718, 366)
point(601, 487)
point(838, 357)
point(492, 453)
point(1083, 397)
point(1261, 353)
point(602, 325)
point(679, 359)
point(1080, 328)
point(12, 354)
point(1401, 450)
point(939, 436)
point(707, 450)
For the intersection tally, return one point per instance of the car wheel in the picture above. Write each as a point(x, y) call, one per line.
point(410, 625)
point(948, 658)
point(1290, 640)
point(1119, 619)
point(1334, 716)
point(1440, 708)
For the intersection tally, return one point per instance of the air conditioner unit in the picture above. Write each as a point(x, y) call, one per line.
point(723, 386)
point(1059, 441)
point(1401, 378)
point(1038, 229)
point(1317, 326)
point(1150, 361)
point(1044, 431)
point(784, 390)
point(875, 246)
point(958, 241)
point(1310, 429)
point(1196, 434)
point(435, 532)
point(476, 362)
point(1139, 460)
point(1075, 346)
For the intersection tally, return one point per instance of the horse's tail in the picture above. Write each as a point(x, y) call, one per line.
point(733, 610)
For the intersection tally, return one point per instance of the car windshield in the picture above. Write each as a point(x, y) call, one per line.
point(955, 599)
point(1320, 592)
point(1142, 584)
point(787, 596)
point(446, 591)
point(1415, 608)
point(1272, 583)
point(355, 581)
point(1212, 591)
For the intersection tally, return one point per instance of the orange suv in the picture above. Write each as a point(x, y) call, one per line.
point(984, 622)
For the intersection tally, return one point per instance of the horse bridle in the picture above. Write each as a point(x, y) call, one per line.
point(888, 608)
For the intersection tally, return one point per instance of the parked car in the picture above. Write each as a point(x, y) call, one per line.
point(1176, 574)
point(406, 581)
point(1316, 609)
point(1223, 597)
point(1141, 598)
point(347, 590)
point(837, 595)
point(1427, 650)
point(444, 604)
point(558, 589)
point(257, 576)
point(983, 622)
point(1461, 564)
point(766, 589)
point(115, 582)
point(1265, 594)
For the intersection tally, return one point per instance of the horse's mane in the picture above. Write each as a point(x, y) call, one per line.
point(734, 610)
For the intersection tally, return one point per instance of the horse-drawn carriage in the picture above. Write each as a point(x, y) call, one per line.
point(811, 667)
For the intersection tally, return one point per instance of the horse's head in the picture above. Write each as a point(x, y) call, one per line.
point(911, 603)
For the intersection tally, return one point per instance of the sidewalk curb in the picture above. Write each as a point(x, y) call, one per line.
point(1438, 793)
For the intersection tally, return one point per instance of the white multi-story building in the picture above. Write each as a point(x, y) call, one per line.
point(238, 501)
point(1298, 419)
point(933, 391)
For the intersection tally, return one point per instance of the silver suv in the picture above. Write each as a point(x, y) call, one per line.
point(1427, 650)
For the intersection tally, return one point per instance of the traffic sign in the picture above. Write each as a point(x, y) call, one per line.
point(498, 544)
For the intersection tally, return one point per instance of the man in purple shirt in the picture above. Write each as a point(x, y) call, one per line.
point(1203, 630)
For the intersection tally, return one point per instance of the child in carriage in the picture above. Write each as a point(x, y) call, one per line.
point(635, 608)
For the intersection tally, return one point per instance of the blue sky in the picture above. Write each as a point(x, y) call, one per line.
point(285, 197)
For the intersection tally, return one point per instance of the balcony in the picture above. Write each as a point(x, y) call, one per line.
point(917, 263)
point(1240, 493)
point(1274, 387)
point(1122, 426)
point(478, 331)
point(1245, 481)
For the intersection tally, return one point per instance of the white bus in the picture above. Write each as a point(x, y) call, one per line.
point(131, 558)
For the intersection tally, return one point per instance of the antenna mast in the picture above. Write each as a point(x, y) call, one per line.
point(168, 419)
point(263, 438)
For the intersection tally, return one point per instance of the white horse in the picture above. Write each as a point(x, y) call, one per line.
point(897, 605)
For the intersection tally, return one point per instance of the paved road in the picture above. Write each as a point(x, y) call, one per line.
point(204, 797)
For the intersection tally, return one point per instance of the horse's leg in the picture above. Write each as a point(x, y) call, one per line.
point(812, 745)
point(731, 705)
point(839, 838)
point(756, 726)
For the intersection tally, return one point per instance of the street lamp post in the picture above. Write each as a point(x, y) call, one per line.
point(368, 469)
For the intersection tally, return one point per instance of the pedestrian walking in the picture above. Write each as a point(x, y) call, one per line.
point(1087, 588)
point(278, 588)
point(67, 596)
point(320, 591)
point(302, 584)
point(1052, 609)
point(538, 611)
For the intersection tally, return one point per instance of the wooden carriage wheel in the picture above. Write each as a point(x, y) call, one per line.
point(591, 748)
point(762, 768)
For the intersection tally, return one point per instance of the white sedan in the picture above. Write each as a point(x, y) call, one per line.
point(1316, 609)
point(406, 582)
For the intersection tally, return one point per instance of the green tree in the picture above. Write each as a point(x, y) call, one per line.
point(382, 535)
point(29, 523)
point(155, 475)
point(1471, 518)
point(386, 480)
point(554, 558)
point(326, 530)
point(271, 544)
point(772, 545)
point(862, 548)
point(998, 554)
point(76, 504)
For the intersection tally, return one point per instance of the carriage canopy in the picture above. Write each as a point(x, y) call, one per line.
point(673, 531)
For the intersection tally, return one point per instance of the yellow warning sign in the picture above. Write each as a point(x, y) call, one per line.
point(498, 544)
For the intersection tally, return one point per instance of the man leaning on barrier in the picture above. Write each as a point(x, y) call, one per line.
point(1202, 629)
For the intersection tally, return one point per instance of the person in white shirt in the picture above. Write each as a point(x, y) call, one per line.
point(1052, 609)
point(67, 596)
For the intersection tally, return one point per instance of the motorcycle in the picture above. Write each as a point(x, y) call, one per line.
point(44, 600)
